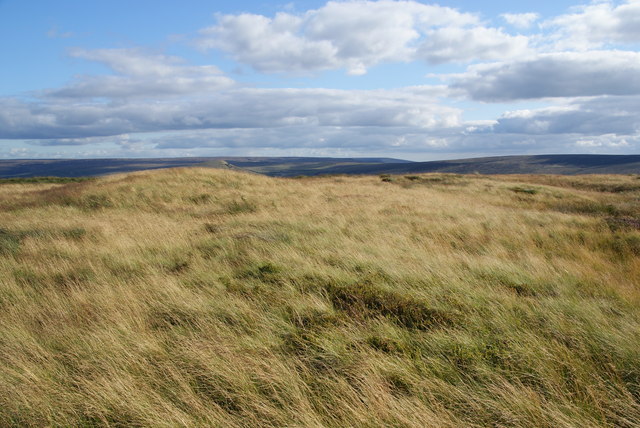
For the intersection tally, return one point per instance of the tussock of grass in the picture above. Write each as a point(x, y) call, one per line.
point(215, 298)
point(369, 300)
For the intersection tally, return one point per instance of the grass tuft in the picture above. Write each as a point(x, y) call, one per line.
point(370, 301)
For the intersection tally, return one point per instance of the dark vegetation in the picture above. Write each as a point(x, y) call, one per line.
point(38, 179)
point(294, 167)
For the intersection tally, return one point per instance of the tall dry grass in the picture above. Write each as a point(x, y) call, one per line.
point(195, 297)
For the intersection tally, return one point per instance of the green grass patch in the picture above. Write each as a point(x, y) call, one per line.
point(525, 190)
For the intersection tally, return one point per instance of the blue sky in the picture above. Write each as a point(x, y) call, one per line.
point(413, 80)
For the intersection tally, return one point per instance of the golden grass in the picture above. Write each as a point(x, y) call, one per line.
point(197, 297)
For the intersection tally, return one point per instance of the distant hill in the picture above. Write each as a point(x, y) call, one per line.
point(294, 166)
point(289, 166)
point(87, 167)
point(539, 164)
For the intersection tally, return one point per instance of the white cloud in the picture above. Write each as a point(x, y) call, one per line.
point(269, 44)
point(17, 153)
point(142, 74)
point(587, 117)
point(608, 140)
point(520, 20)
point(562, 74)
point(597, 24)
point(131, 62)
point(356, 35)
point(455, 44)
point(237, 108)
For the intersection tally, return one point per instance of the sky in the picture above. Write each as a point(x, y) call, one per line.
point(403, 79)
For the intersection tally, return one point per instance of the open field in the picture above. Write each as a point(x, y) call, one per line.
point(210, 297)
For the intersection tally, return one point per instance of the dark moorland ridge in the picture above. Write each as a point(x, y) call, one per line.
point(24, 168)
point(295, 166)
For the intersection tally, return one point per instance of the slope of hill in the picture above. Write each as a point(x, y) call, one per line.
point(210, 297)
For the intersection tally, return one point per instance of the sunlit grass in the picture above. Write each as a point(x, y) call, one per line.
point(214, 298)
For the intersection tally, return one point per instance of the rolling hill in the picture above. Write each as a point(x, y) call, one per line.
point(24, 168)
point(537, 164)
point(294, 166)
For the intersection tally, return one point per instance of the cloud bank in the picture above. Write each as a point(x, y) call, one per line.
point(356, 36)
point(583, 67)
point(554, 75)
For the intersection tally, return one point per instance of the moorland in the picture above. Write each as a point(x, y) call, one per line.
point(570, 164)
point(214, 297)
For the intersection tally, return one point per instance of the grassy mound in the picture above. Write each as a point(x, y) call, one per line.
point(208, 297)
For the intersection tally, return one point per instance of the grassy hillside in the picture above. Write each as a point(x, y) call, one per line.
point(201, 297)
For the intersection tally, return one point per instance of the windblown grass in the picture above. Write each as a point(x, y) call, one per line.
point(196, 297)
